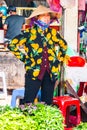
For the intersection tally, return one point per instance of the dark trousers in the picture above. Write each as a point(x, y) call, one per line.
point(32, 87)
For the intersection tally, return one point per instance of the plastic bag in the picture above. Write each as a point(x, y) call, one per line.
point(54, 4)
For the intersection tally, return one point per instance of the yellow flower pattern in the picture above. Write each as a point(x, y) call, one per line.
point(26, 49)
point(33, 31)
point(36, 72)
point(39, 61)
point(40, 50)
point(33, 64)
point(33, 46)
point(33, 37)
point(55, 69)
point(55, 39)
point(21, 42)
point(18, 56)
point(27, 68)
point(49, 51)
point(48, 36)
point(51, 58)
point(14, 41)
point(50, 42)
point(40, 30)
point(54, 32)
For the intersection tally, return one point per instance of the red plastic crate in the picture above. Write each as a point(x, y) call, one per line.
point(68, 128)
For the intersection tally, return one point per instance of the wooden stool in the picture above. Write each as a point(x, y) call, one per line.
point(64, 103)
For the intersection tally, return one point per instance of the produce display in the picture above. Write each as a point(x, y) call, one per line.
point(82, 126)
point(31, 117)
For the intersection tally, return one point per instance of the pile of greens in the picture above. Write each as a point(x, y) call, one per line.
point(31, 117)
point(81, 126)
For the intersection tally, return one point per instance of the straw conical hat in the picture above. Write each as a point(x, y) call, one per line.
point(40, 10)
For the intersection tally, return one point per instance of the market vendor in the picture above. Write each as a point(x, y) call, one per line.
point(42, 63)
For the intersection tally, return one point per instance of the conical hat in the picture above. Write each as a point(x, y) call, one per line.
point(40, 10)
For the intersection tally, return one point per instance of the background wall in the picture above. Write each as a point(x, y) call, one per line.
point(14, 70)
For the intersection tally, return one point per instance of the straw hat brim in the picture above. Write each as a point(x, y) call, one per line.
point(40, 10)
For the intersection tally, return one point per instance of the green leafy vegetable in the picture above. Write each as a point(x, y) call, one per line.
point(31, 117)
point(81, 126)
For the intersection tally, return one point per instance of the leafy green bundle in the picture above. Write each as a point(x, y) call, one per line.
point(81, 126)
point(31, 117)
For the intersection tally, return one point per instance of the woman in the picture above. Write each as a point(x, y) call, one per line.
point(42, 64)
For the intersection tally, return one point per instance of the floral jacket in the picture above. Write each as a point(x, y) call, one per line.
point(29, 47)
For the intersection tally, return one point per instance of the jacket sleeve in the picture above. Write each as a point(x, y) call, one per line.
point(17, 46)
point(62, 49)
